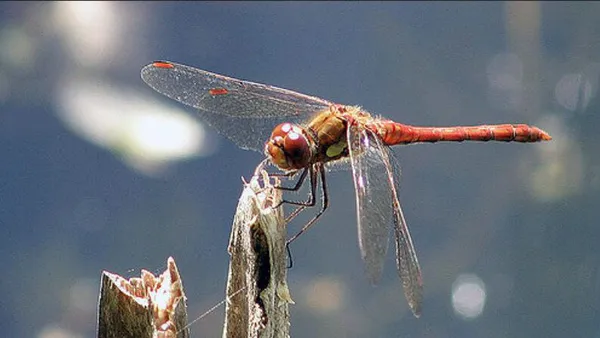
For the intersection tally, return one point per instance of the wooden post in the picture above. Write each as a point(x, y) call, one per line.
point(257, 291)
point(140, 307)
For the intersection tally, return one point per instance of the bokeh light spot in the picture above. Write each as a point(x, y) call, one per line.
point(468, 296)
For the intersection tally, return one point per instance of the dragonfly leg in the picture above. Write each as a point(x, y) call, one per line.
point(288, 174)
point(298, 183)
point(324, 205)
point(289, 254)
point(311, 197)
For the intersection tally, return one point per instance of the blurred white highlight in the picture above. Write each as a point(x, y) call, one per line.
point(573, 92)
point(91, 30)
point(468, 296)
point(147, 134)
point(325, 295)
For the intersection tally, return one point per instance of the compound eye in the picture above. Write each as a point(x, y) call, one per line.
point(281, 130)
point(288, 147)
point(296, 149)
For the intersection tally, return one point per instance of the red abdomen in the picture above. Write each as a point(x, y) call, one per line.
point(393, 133)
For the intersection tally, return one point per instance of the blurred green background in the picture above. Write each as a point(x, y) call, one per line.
point(100, 172)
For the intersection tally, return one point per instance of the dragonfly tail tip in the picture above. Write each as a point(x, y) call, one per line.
point(546, 137)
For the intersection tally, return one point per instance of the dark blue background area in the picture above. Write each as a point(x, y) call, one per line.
point(520, 217)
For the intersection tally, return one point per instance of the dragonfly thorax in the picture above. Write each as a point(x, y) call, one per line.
point(289, 147)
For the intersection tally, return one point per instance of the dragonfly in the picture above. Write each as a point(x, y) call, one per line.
point(305, 136)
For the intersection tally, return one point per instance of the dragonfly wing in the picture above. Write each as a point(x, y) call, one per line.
point(243, 111)
point(375, 173)
point(407, 264)
point(374, 212)
point(225, 95)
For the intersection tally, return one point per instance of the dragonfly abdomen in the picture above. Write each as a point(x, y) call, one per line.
point(393, 133)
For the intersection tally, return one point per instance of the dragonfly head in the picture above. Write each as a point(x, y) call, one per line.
point(288, 147)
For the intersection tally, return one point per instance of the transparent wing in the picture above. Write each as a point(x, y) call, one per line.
point(243, 111)
point(407, 264)
point(225, 95)
point(373, 207)
point(378, 207)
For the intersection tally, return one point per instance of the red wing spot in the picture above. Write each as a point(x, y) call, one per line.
point(218, 91)
point(163, 64)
